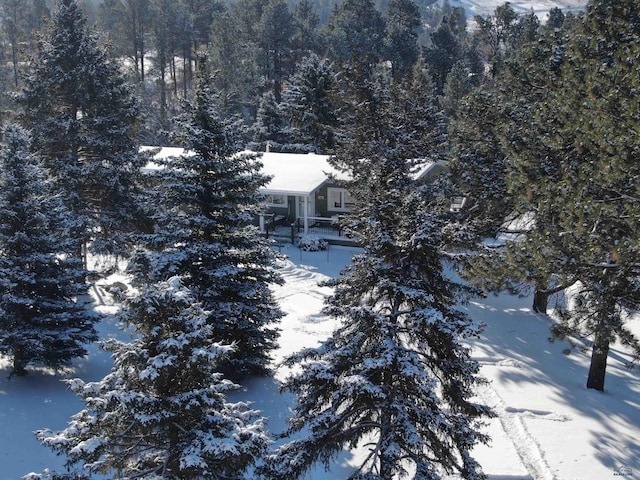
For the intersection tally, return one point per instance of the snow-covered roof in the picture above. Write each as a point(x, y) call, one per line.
point(426, 166)
point(290, 173)
point(295, 173)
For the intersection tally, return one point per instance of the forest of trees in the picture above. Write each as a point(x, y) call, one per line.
point(537, 120)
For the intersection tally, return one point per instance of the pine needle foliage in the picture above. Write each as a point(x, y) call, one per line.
point(44, 315)
point(567, 152)
point(394, 379)
point(83, 119)
point(205, 203)
point(162, 412)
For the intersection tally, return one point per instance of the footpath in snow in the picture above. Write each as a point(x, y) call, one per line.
point(548, 425)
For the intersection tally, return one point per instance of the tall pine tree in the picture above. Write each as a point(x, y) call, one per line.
point(307, 105)
point(588, 195)
point(162, 411)
point(394, 378)
point(307, 38)
point(489, 122)
point(236, 57)
point(355, 33)
point(401, 35)
point(44, 318)
point(275, 33)
point(566, 130)
point(269, 127)
point(83, 120)
point(207, 199)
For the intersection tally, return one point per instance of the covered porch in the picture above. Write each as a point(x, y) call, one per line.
point(326, 228)
point(293, 195)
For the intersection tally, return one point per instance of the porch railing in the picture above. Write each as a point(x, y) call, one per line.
point(321, 226)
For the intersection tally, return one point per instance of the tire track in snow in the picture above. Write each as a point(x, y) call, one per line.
point(525, 445)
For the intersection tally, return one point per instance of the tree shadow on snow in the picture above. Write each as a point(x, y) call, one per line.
point(515, 341)
point(265, 396)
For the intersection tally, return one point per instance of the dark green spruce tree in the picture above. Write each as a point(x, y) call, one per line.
point(269, 127)
point(356, 32)
point(394, 379)
point(566, 130)
point(44, 316)
point(444, 51)
point(307, 105)
point(495, 34)
point(402, 28)
point(83, 121)
point(275, 33)
point(589, 197)
point(162, 411)
point(307, 38)
point(205, 203)
point(235, 57)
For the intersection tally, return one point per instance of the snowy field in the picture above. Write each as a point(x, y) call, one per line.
point(549, 426)
point(539, 7)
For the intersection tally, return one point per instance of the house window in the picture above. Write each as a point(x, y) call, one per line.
point(339, 199)
point(458, 204)
point(276, 200)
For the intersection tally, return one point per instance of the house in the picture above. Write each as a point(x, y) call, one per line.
point(304, 194)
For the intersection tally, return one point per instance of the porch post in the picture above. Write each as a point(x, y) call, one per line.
point(261, 222)
point(306, 215)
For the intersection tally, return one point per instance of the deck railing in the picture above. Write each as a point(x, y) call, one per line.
point(324, 227)
point(321, 226)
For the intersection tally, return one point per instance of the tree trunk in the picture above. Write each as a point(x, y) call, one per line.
point(599, 354)
point(385, 465)
point(18, 362)
point(540, 301)
point(173, 457)
point(542, 294)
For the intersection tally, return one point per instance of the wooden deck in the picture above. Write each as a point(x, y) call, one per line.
point(321, 227)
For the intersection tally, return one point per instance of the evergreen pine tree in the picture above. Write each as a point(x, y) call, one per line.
point(571, 171)
point(441, 55)
point(488, 120)
point(588, 197)
point(477, 161)
point(459, 83)
point(206, 202)
point(275, 33)
point(132, 19)
point(83, 120)
point(233, 56)
point(307, 38)
point(43, 317)
point(162, 411)
point(269, 127)
point(401, 35)
point(238, 56)
point(307, 105)
point(355, 33)
point(13, 29)
point(495, 33)
point(394, 378)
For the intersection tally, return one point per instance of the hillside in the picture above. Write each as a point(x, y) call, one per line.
point(540, 7)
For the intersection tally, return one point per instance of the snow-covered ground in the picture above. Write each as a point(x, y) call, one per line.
point(539, 7)
point(549, 426)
